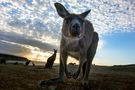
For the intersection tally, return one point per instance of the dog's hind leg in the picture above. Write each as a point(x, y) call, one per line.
point(90, 55)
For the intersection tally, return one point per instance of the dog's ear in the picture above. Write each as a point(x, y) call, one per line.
point(61, 10)
point(55, 50)
point(83, 15)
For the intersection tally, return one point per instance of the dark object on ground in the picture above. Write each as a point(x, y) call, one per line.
point(16, 63)
point(33, 64)
point(72, 63)
point(6, 57)
point(27, 63)
point(2, 61)
point(51, 60)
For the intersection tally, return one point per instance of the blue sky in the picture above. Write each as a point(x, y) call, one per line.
point(119, 48)
point(31, 28)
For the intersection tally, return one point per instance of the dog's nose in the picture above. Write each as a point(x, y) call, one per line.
point(76, 27)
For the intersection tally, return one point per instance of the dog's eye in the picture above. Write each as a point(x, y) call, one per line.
point(81, 20)
point(68, 20)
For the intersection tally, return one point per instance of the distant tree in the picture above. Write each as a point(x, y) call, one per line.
point(72, 63)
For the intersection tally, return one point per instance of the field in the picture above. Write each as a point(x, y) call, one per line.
point(20, 77)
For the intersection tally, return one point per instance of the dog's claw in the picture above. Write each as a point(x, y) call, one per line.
point(43, 82)
point(69, 75)
point(86, 85)
point(75, 75)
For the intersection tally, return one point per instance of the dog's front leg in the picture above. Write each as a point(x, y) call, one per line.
point(60, 79)
point(64, 57)
point(81, 62)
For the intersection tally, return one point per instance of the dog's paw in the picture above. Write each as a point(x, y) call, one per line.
point(75, 75)
point(86, 85)
point(69, 75)
point(53, 81)
point(41, 83)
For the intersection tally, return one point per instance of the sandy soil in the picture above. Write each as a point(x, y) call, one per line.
point(20, 77)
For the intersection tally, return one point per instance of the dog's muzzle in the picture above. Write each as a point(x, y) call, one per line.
point(75, 30)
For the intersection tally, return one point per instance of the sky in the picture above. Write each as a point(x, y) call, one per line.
point(31, 28)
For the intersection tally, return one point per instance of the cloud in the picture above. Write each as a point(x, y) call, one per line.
point(101, 45)
point(25, 40)
point(107, 16)
point(13, 48)
point(37, 24)
point(21, 45)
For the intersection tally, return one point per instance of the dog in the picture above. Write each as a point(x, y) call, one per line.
point(78, 40)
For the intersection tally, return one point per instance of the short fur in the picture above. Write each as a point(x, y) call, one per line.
point(51, 60)
point(79, 40)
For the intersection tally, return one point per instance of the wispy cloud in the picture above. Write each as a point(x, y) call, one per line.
point(40, 16)
point(21, 45)
point(37, 24)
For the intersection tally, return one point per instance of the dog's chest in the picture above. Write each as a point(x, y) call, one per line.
point(74, 54)
point(73, 48)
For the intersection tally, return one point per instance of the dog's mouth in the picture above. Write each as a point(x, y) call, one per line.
point(78, 31)
point(75, 33)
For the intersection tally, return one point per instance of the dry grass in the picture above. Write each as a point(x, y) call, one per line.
point(19, 77)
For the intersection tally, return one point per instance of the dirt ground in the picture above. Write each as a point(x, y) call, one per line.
point(20, 77)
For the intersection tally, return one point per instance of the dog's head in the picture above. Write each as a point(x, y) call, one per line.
point(55, 50)
point(73, 24)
